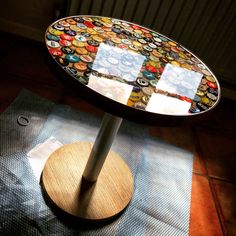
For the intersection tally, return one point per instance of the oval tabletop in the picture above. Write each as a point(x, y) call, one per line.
point(131, 71)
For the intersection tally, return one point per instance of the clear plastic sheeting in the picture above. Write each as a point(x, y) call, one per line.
point(14, 136)
point(162, 173)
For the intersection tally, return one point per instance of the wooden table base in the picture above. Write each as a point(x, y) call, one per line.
point(108, 196)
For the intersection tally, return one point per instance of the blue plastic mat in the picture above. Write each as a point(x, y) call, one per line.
point(162, 173)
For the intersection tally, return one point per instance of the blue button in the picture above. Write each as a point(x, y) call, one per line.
point(72, 58)
point(148, 75)
point(53, 37)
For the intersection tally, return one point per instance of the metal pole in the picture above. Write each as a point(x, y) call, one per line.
point(108, 130)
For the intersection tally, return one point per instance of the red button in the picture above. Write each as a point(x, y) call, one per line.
point(89, 24)
point(184, 98)
point(145, 30)
point(122, 46)
point(212, 85)
point(161, 70)
point(91, 48)
point(56, 52)
point(105, 28)
point(151, 69)
point(66, 37)
point(65, 42)
point(135, 27)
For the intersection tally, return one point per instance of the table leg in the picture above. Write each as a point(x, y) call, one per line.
point(106, 135)
point(89, 181)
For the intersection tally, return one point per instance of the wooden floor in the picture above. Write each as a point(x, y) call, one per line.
point(213, 141)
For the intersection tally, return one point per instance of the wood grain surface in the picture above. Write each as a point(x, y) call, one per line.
point(62, 180)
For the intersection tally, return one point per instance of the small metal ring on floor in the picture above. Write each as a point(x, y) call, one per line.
point(23, 120)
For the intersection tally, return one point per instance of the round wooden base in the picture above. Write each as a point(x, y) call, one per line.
point(62, 180)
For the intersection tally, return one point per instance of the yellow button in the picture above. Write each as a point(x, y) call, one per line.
point(97, 38)
point(182, 55)
point(55, 32)
point(91, 31)
point(210, 78)
point(175, 63)
point(186, 66)
point(172, 43)
point(106, 19)
point(205, 100)
point(115, 39)
point(78, 44)
point(138, 31)
point(75, 28)
point(137, 44)
point(81, 51)
point(200, 93)
point(130, 103)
